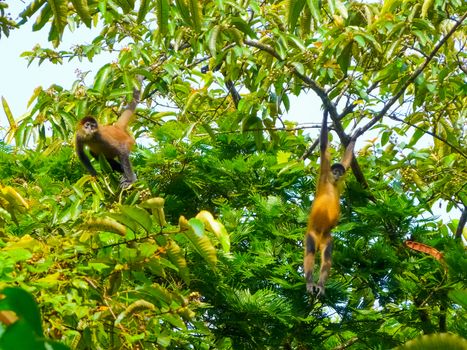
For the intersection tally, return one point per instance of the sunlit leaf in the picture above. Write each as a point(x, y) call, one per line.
point(294, 8)
point(9, 115)
point(201, 241)
point(139, 215)
point(215, 227)
point(162, 12)
point(81, 7)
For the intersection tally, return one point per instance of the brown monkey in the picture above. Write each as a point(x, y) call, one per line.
point(112, 141)
point(324, 212)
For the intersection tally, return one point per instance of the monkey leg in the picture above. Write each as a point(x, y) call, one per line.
point(326, 259)
point(128, 175)
point(116, 166)
point(309, 260)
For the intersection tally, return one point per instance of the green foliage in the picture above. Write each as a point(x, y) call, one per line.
point(151, 267)
point(6, 22)
point(25, 333)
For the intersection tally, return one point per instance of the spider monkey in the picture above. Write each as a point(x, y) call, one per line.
point(112, 141)
point(324, 212)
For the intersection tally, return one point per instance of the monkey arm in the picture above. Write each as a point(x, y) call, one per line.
point(348, 155)
point(323, 139)
point(325, 160)
point(83, 157)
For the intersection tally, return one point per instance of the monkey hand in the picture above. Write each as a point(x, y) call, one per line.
point(313, 288)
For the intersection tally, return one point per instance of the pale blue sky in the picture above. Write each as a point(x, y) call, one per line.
point(18, 81)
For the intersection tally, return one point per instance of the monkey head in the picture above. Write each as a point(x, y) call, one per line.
point(337, 171)
point(88, 126)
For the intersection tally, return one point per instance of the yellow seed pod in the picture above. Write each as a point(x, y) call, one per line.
point(183, 223)
point(14, 198)
point(106, 224)
point(154, 203)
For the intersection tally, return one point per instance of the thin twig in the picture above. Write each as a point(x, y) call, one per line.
point(328, 105)
point(310, 149)
point(428, 132)
point(411, 79)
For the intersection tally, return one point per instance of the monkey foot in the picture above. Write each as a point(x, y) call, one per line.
point(124, 183)
point(313, 288)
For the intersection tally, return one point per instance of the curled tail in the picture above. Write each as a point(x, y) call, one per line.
point(127, 115)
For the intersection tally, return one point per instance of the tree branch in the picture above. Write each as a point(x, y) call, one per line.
point(412, 78)
point(310, 149)
point(462, 222)
point(328, 105)
point(428, 132)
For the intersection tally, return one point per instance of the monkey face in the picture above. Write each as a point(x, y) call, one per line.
point(89, 125)
point(337, 171)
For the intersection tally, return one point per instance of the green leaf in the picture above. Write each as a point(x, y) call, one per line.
point(162, 12)
point(184, 10)
point(340, 6)
point(294, 8)
point(43, 18)
point(243, 26)
point(215, 227)
point(23, 304)
point(459, 296)
point(32, 8)
point(143, 11)
point(9, 115)
point(299, 67)
point(60, 11)
point(332, 6)
point(20, 335)
point(360, 40)
point(314, 6)
point(196, 14)
point(345, 57)
point(125, 220)
point(175, 320)
point(416, 136)
point(385, 137)
point(162, 294)
point(427, 4)
point(102, 78)
point(82, 9)
point(435, 342)
point(141, 216)
point(126, 5)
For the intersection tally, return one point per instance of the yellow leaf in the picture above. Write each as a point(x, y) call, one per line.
point(283, 157)
point(49, 280)
point(215, 227)
point(25, 242)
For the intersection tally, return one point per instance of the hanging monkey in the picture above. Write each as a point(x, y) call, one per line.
point(112, 141)
point(325, 211)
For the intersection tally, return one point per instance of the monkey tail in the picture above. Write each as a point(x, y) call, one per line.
point(127, 115)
